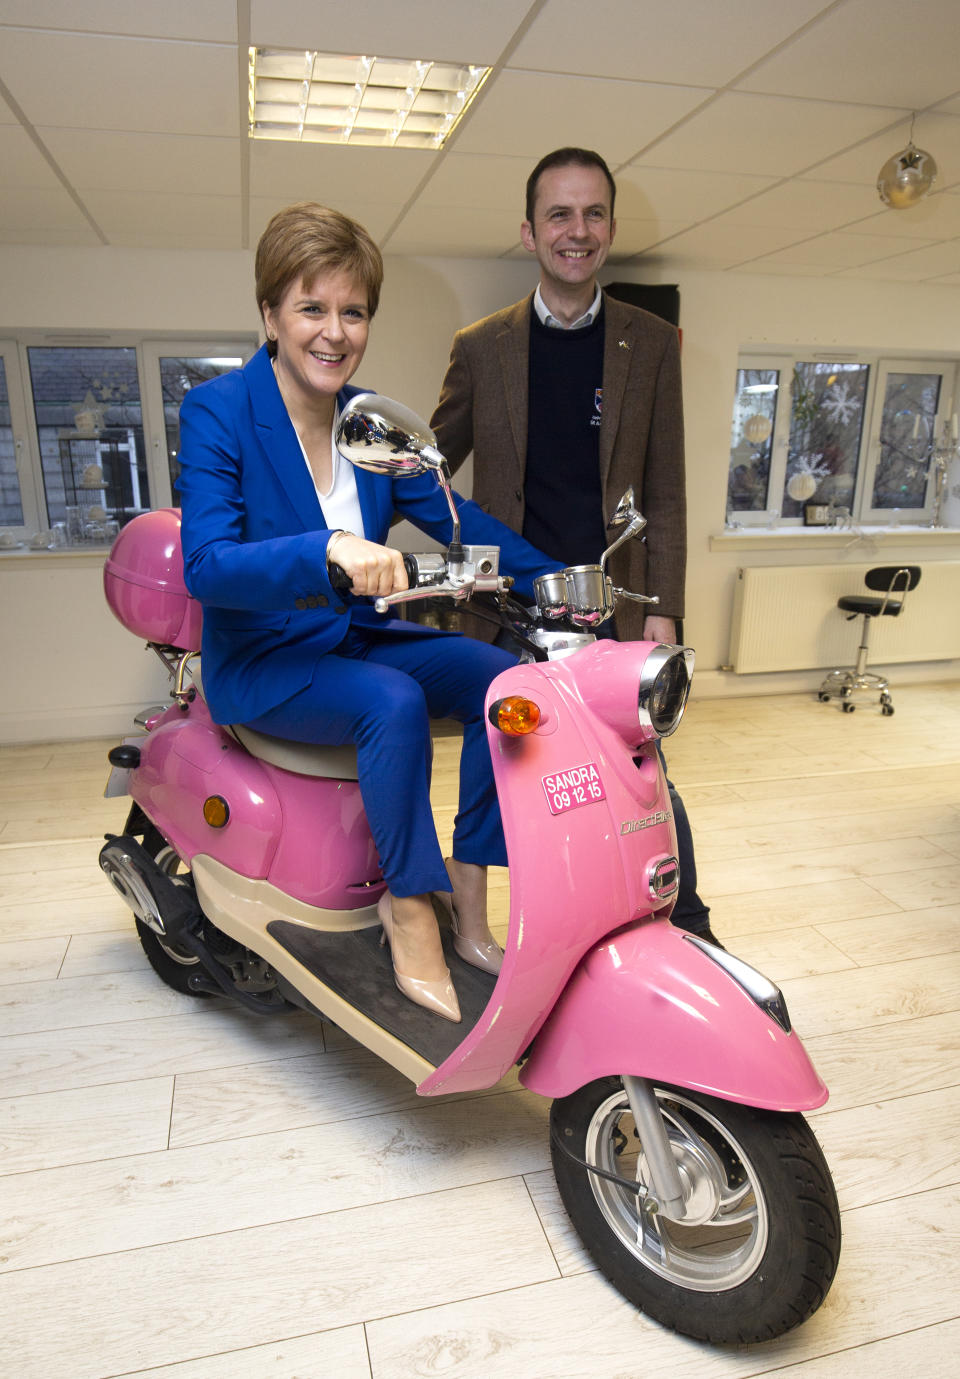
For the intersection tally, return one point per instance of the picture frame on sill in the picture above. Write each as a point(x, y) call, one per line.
point(816, 514)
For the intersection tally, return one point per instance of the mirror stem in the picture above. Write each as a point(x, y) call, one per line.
point(634, 527)
point(439, 466)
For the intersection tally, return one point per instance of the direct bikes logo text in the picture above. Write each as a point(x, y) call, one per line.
point(662, 816)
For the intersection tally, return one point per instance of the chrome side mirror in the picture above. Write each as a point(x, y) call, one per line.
point(385, 437)
point(627, 516)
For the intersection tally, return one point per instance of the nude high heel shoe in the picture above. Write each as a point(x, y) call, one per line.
point(485, 954)
point(439, 997)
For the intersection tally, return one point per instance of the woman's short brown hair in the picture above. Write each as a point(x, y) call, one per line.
point(307, 239)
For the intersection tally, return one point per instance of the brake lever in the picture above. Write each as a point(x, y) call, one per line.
point(457, 592)
point(637, 598)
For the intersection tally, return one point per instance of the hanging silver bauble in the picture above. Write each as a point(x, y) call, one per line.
point(906, 177)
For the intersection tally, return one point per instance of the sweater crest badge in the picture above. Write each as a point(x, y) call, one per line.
point(597, 406)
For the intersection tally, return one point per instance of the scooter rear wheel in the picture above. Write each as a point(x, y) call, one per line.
point(172, 965)
point(759, 1248)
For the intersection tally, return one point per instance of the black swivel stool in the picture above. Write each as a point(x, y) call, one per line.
point(894, 582)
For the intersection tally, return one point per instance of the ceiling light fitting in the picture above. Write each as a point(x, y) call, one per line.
point(305, 96)
point(906, 178)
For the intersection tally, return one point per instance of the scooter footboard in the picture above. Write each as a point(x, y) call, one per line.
point(654, 1002)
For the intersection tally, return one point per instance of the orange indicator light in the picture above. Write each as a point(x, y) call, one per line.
point(216, 811)
point(515, 715)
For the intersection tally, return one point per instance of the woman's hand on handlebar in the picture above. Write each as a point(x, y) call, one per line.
point(373, 570)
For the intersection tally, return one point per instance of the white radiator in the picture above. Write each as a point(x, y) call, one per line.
point(786, 618)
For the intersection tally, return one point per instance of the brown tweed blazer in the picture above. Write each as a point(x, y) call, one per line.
point(483, 408)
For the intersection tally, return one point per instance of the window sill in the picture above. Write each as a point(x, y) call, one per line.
point(820, 538)
point(88, 554)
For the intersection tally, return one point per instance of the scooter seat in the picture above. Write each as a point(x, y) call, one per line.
point(305, 758)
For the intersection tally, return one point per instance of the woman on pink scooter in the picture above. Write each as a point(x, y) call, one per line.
point(268, 507)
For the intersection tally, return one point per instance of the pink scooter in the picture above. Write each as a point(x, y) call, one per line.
point(677, 1140)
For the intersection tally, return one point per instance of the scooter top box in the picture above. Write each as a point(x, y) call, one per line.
point(143, 582)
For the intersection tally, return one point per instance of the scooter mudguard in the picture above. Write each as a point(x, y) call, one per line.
point(651, 1002)
point(306, 836)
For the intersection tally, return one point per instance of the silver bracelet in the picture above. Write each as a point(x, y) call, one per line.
point(340, 531)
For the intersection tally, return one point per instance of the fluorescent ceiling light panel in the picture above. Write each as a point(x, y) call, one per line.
point(381, 102)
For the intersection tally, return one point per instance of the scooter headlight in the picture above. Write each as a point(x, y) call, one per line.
point(664, 689)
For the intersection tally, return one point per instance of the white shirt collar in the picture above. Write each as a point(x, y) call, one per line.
point(547, 317)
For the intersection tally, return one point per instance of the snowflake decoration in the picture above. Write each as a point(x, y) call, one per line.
point(808, 464)
point(838, 404)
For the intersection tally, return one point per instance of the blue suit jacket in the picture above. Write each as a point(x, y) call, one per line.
point(255, 541)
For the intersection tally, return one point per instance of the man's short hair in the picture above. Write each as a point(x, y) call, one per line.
point(565, 158)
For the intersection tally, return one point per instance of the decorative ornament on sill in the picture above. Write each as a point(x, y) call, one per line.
point(906, 178)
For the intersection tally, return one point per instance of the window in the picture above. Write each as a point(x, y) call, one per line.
point(89, 429)
point(171, 374)
point(836, 439)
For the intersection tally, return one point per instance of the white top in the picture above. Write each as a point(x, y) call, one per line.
point(341, 502)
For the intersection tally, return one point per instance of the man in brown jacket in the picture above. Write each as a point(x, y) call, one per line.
point(566, 399)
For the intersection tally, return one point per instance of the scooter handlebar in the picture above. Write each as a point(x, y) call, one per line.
point(342, 582)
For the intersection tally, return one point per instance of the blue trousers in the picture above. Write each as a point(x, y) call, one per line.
point(689, 912)
point(380, 692)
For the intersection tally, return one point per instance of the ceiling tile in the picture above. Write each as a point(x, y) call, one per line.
point(155, 213)
point(939, 135)
point(335, 175)
point(617, 40)
point(842, 250)
point(415, 28)
point(111, 160)
point(121, 83)
point(481, 180)
point(375, 218)
point(532, 112)
point(213, 20)
point(634, 236)
point(771, 135)
point(81, 236)
point(41, 208)
point(460, 230)
point(189, 235)
point(937, 216)
point(22, 162)
point(729, 244)
point(805, 206)
point(770, 269)
point(879, 52)
point(934, 260)
point(681, 193)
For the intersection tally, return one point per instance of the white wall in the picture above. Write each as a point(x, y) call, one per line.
point(74, 672)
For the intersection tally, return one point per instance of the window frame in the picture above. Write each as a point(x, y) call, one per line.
point(29, 475)
point(149, 347)
point(149, 354)
point(864, 494)
point(881, 365)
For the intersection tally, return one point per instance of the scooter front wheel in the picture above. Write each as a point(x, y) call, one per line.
point(758, 1247)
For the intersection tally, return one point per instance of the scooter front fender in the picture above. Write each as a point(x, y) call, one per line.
point(649, 1002)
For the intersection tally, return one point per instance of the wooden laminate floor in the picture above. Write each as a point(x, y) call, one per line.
point(193, 1192)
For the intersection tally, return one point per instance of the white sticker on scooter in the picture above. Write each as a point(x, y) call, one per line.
point(571, 788)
